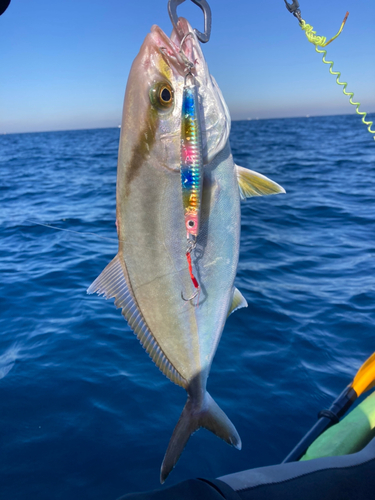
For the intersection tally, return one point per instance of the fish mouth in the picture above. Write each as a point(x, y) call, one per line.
point(170, 47)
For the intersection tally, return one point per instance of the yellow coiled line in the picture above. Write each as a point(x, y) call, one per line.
point(320, 41)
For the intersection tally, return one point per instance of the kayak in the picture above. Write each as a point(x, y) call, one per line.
point(350, 435)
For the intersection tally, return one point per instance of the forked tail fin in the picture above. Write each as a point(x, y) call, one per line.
point(209, 416)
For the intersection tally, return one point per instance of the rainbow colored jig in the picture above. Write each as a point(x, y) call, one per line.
point(191, 169)
point(191, 157)
point(321, 41)
point(191, 160)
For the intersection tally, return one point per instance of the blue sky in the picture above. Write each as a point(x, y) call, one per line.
point(64, 63)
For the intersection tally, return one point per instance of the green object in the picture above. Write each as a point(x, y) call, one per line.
point(321, 41)
point(350, 435)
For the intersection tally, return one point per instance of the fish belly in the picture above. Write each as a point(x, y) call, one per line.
point(152, 245)
point(216, 255)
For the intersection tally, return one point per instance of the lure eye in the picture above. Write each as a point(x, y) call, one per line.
point(191, 223)
point(162, 96)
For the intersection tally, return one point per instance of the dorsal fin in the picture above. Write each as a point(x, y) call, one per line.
point(253, 184)
point(238, 301)
point(112, 283)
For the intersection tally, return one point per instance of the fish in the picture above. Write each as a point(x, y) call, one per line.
point(151, 272)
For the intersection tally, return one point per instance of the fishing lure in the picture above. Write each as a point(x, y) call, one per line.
point(191, 157)
point(191, 165)
point(321, 41)
point(191, 168)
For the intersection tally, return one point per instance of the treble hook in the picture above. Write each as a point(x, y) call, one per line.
point(294, 9)
point(203, 5)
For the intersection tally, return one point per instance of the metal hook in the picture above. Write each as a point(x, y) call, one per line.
point(203, 5)
point(294, 9)
point(192, 297)
point(191, 244)
point(189, 64)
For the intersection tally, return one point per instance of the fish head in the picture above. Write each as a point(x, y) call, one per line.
point(213, 111)
point(153, 100)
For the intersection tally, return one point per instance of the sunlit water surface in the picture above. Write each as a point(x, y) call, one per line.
point(84, 412)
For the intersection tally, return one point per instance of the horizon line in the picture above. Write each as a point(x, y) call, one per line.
point(232, 120)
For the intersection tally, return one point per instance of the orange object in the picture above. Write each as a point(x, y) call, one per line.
point(365, 378)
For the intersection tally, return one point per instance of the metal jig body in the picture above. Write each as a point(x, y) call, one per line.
point(191, 166)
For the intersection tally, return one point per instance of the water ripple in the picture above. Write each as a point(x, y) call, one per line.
point(85, 413)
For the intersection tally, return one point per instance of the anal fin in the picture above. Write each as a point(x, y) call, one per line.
point(238, 301)
point(112, 283)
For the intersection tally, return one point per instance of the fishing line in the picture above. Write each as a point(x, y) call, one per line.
point(321, 41)
point(82, 233)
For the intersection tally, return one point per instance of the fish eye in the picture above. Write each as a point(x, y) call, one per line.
point(191, 223)
point(165, 95)
point(162, 96)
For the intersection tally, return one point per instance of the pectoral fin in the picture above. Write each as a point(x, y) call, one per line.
point(238, 301)
point(253, 184)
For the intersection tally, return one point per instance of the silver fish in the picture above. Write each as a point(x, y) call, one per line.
point(150, 270)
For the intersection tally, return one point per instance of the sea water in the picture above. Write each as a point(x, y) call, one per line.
point(84, 413)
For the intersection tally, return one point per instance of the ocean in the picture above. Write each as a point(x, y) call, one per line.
point(84, 412)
